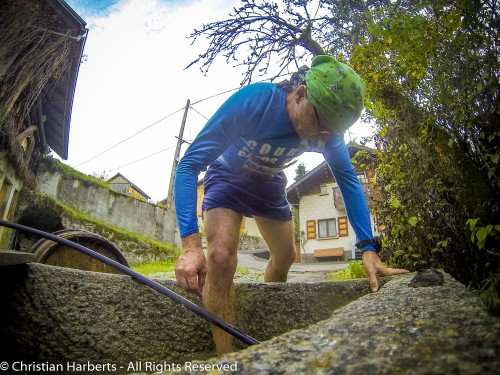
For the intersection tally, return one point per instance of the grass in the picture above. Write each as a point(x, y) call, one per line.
point(355, 270)
point(153, 269)
point(165, 269)
point(73, 173)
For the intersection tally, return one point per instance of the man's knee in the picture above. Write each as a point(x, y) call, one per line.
point(290, 256)
point(285, 257)
point(284, 252)
point(222, 265)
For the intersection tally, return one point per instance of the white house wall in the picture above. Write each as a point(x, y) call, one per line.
point(251, 227)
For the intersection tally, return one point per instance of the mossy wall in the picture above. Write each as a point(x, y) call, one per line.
point(97, 200)
point(42, 212)
point(68, 199)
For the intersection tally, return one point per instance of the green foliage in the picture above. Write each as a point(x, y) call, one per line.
point(103, 176)
point(479, 235)
point(489, 293)
point(433, 82)
point(300, 171)
point(433, 91)
point(339, 275)
point(355, 270)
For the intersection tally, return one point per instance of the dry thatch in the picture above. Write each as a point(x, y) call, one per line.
point(34, 52)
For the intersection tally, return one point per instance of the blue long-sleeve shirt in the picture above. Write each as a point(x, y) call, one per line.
point(254, 124)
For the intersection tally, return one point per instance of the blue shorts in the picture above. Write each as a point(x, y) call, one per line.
point(250, 195)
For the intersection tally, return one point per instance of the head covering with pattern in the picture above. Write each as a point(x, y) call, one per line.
point(336, 91)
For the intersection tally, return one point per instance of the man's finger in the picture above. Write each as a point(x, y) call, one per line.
point(397, 271)
point(392, 271)
point(187, 282)
point(180, 279)
point(193, 286)
point(373, 282)
point(183, 283)
point(201, 280)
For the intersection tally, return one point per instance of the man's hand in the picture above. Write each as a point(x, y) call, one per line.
point(190, 270)
point(374, 267)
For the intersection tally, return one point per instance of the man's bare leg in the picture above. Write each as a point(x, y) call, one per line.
point(222, 228)
point(278, 235)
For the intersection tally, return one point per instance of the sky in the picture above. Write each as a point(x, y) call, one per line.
point(132, 88)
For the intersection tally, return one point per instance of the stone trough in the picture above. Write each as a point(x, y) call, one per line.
point(52, 315)
point(59, 314)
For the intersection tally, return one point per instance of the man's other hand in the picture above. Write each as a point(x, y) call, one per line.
point(374, 267)
point(190, 270)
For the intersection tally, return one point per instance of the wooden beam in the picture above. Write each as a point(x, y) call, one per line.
point(11, 257)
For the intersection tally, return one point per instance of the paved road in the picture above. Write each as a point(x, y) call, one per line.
point(299, 272)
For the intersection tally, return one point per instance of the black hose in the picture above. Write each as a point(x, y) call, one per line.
point(140, 278)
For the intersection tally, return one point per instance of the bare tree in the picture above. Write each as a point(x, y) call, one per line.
point(286, 32)
point(267, 30)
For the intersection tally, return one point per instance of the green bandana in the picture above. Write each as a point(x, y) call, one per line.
point(336, 91)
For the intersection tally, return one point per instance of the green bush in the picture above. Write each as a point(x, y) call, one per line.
point(355, 270)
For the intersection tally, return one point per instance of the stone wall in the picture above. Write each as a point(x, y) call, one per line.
point(117, 209)
point(107, 205)
point(58, 314)
point(251, 243)
point(54, 315)
point(437, 329)
point(44, 213)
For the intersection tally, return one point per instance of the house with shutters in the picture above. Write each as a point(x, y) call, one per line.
point(326, 232)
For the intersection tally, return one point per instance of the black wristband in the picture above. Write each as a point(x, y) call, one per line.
point(375, 241)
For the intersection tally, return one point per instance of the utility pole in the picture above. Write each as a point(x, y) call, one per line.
point(177, 154)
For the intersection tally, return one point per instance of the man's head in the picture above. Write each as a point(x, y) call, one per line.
point(336, 91)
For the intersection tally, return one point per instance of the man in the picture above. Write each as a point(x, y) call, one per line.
point(248, 142)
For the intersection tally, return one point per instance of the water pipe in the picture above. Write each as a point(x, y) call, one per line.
point(140, 278)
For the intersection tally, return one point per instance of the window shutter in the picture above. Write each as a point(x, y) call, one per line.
point(343, 226)
point(311, 229)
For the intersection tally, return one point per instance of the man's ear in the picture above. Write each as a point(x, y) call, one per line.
point(301, 93)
